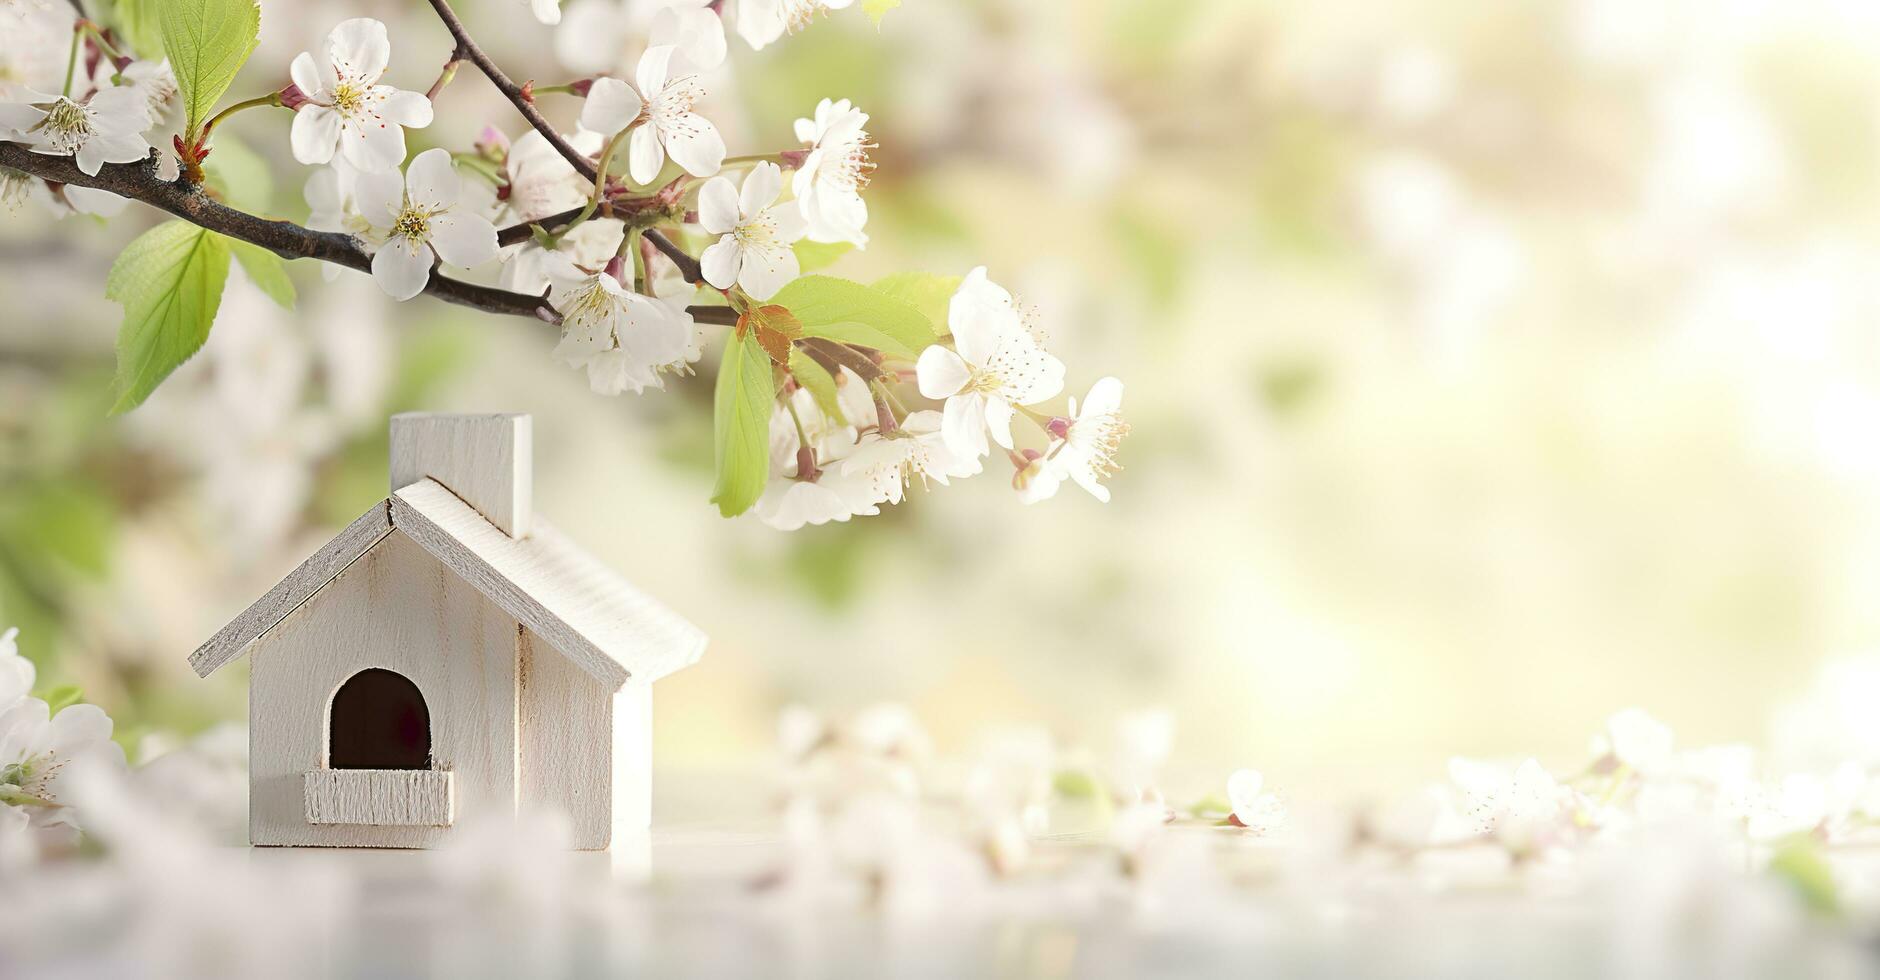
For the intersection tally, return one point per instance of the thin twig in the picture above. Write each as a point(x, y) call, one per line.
point(688, 266)
point(511, 91)
point(140, 182)
point(448, 72)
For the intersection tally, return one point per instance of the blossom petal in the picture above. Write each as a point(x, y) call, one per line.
point(611, 104)
point(787, 221)
point(359, 49)
point(431, 182)
point(697, 32)
point(314, 133)
point(695, 144)
point(402, 267)
point(1106, 396)
point(645, 157)
point(306, 74)
point(762, 186)
point(720, 261)
point(380, 197)
point(546, 11)
point(718, 206)
point(941, 372)
point(650, 76)
point(463, 240)
point(963, 425)
point(408, 109)
point(371, 147)
point(77, 727)
point(999, 420)
point(91, 156)
point(767, 268)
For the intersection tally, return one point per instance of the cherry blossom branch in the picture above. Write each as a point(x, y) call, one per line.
point(140, 182)
point(688, 266)
point(518, 95)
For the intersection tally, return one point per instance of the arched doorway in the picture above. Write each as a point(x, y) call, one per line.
point(378, 721)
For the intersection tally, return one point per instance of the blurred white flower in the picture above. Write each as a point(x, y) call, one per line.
point(828, 184)
point(347, 109)
point(41, 754)
point(151, 80)
point(418, 220)
point(16, 672)
point(333, 206)
point(546, 11)
point(1523, 806)
point(755, 233)
point(693, 29)
point(1635, 740)
point(662, 117)
point(1254, 807)
point(105, 128)
point(996, 364)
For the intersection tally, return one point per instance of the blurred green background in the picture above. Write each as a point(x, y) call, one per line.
point(1490, 367)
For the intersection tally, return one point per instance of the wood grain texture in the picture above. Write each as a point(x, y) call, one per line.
point(612, 630)
point(399, 609)
point(486, 460)
point(566, 739)
point(287, 595)
point(379, 797)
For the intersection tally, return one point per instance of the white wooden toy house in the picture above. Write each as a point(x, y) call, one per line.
point(448, 656)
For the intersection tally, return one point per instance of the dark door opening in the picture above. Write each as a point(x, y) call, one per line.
point(378, 721)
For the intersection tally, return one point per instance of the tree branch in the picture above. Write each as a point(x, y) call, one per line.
point(511, 91)
point(139, 182)
point(688, 266)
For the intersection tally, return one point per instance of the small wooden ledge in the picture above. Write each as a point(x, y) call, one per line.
point(380, 797)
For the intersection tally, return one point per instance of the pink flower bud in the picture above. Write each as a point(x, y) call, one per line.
point(806, 464)
point(581, 87)
point(617, 267)
point(293, 98)
point(1059, 427)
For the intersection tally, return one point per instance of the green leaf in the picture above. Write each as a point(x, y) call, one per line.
point(1801, 864)
point(137, 23)
point(63, 696)
point(1076, 784)
point(741, 424)
point(265, 269)
point(852, 313)
point(817, 380)
point(169, 281)
point(239, 174)
point(878, 9)
point(924, 291)
point(207, 42)
point(811, 256)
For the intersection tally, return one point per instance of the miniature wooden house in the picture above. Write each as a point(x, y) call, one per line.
point(448, 657)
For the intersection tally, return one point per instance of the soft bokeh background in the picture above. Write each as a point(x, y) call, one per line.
point(1490, 367)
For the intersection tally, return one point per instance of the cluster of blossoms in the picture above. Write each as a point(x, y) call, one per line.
point(42, 756)
point(583, 241)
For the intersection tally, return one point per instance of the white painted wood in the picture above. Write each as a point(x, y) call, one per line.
point(579, 606)
point(379, 797)
point(566, 740)
point(287, 595)
point(486, 460)
point(632, 760)
point(396, 608)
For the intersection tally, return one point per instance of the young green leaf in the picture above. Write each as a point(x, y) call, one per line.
point(137, 23)
point(852, 313)
point(817, 380)
point(878, 9)
point(207, 42)
point(62, 697)
point(741, 424)
point(774, 328)
point(811, 256)
point(169, 281)
point(265, 269)
point(924, 291)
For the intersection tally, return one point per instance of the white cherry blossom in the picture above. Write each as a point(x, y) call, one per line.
point(1253, 807)
point(417, 219)
point(790, 501)
point(694, 29)
point(661, 115)
point(105, 128)
point(916, 450)
point(41, 755)
point(995, 364)
point(828, 183)
point(332, 205)
point(1523, 807)
point(755, 233)
point(1635, 740)
point(622, 338)
point(762, 21)
point(1086, 449)
point(346, 108)
point(541, 182)
point(152, 80)
point(546, 11)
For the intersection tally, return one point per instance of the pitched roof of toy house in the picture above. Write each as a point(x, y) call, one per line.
point(468, 521)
